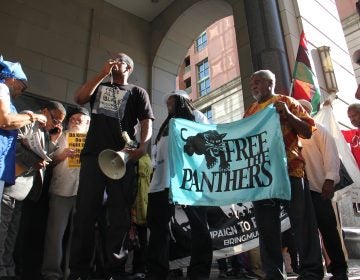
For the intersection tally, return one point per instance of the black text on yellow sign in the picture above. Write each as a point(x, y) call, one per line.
point(76, 142)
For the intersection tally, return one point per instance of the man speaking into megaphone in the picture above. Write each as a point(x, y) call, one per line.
point(116, 108)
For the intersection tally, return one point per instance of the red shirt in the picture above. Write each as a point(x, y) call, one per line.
point(353, 138)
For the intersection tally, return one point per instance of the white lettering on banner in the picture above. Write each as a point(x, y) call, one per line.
point(241, 239)
point(224, 232)
point(229, 237)
point(245, 226)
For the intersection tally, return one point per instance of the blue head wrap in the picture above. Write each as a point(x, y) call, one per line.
point(11, 70)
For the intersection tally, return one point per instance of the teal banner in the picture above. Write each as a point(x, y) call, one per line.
point(223, 164)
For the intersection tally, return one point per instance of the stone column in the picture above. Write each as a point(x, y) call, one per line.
point(267, 42)
point(260, 43)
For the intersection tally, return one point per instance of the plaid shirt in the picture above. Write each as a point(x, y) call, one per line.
point(296, 163)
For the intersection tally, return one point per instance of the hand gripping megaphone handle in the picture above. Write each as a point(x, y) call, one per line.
point(129, 143)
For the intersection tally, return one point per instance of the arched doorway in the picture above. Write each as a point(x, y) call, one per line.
point(174, 45)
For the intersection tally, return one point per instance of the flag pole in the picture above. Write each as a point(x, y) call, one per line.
point(291, 88)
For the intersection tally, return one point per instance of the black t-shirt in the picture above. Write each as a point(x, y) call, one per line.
point(109, 103)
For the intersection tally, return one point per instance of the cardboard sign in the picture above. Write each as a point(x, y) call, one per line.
point(76, 142)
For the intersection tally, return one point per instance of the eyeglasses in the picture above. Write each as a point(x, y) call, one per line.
point(54, 121)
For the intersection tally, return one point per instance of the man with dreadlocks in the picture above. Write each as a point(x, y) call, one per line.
point(160, 210)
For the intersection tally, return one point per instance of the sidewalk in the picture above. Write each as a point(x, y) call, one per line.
point(354, 271)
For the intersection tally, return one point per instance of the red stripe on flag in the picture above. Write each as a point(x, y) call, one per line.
point(302, 90)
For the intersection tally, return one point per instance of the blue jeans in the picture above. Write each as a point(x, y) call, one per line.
point(303, 223)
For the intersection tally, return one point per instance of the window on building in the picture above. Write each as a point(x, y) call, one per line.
point(203, 77)
point(187, 83)
point(187, 66)
point(201, 42)
point(207, 112)
point(187, 61)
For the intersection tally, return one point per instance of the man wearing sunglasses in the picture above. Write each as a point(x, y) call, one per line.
point(116, 107)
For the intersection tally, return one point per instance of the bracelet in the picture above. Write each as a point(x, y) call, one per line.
point(31, 115)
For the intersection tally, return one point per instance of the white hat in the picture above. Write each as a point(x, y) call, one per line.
point(181, 93)
point(306, 104)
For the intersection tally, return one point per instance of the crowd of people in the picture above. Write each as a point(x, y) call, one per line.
point(52, 212)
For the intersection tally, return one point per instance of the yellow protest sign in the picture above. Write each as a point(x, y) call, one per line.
point(76, 142)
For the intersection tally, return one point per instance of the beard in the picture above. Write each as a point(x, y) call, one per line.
point(256, 95)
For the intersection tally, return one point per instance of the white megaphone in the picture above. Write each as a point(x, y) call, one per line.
point(113, 164)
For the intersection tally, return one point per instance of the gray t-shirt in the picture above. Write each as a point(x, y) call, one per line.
point(64, 180)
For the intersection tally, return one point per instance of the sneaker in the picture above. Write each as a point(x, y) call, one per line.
point(292, 274)
point(249, 275)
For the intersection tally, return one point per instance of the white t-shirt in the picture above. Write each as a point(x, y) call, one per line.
point(161, 176)
point(321, 158)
